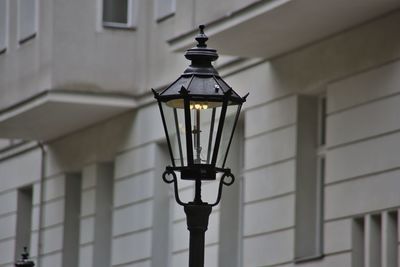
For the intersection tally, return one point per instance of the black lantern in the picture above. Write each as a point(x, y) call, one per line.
point(199, 113)
point(24, 261)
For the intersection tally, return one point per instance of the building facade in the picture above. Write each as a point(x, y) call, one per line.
point(316, 151)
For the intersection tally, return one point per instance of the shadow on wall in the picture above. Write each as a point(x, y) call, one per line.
point(98, 143)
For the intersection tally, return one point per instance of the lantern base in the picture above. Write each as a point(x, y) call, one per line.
point(203, 172)
point(170, 177)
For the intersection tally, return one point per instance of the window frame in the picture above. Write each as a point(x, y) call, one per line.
point(159, 18)
point(132, 13)
point(30, 36)
point(374, 238)
point(3, 49)
point(24, 219)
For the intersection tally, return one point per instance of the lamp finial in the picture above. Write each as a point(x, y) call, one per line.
point(201, 38)
point(25, 254)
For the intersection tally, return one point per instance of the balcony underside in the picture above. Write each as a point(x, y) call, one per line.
point(271, 28)
point(53, 114)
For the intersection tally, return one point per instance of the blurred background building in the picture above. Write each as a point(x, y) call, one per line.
point(316, 153)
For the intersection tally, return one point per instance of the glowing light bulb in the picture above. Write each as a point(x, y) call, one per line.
point(197, 106)
point(191, 106)
point(205, 106)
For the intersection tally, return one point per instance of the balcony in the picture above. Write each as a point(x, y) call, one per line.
point(270, 28)
point(52, 114)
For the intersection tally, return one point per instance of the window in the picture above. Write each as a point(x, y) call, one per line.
point(104, 204)
point(3, 26)
point(26, 20)
point(164, 9)
point(374, 240)
point(119, 13)
point(72, 219)
point(24, 220)
point(310, 172)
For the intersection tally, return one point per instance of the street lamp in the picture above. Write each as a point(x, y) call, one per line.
point(199, 112)
point(24, 261)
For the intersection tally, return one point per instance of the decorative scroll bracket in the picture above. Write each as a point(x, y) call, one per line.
point(169, 177)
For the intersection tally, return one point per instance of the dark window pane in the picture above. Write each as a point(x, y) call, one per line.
point(24, 219)
point(115, 11)
point(309, 172)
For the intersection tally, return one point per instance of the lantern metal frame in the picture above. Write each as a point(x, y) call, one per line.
point(191, 87)
point(194, 171)
point(200, 83)
point(24, 261)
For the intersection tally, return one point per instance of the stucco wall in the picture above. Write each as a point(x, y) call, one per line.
point(357, 69)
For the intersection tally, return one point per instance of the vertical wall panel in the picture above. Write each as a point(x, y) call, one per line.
point(103, 217)
point(52, 201)
point(389, 239)
point(372, 241)
point(230, 227)
point(96, 215)
point(161, 212)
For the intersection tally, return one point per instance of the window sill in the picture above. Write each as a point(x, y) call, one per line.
point(165, 17)
point(3, 50)
point(308, 258)
point(117, 25)
point(26, 39)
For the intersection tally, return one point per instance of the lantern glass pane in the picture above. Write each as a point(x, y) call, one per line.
point(204, 118)
point(175, 124)
point(227, 132)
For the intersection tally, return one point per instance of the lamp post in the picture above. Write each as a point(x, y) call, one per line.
point(199, 112)
point(24, 261)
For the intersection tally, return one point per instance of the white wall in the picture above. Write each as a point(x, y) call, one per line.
point(25, 68)
point(359, 76)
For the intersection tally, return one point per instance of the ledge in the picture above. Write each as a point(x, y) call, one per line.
point(27, 38)
point(269, 28)
point(118, 26)
point(52, 114)
point(309, 258)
